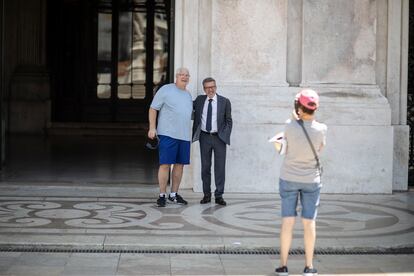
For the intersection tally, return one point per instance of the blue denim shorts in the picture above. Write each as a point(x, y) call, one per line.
point(173, 151)
point(308, 193)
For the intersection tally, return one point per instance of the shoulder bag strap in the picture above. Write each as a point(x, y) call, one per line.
point(318, 164)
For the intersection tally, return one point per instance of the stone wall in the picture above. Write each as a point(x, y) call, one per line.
point(263, 53)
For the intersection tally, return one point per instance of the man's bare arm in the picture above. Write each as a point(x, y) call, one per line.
point(152, 117)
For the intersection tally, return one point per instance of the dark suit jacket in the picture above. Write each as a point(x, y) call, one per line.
point(224, 120)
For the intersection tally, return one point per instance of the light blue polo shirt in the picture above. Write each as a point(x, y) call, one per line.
point(175, 107)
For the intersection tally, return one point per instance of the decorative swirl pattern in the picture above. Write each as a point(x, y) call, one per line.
point(20, 213)
point(120, 215)
point(243, 217)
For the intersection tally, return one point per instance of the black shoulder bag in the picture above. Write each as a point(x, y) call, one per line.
point(318, 164)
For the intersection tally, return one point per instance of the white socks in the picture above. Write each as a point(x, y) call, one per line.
point(171, 194)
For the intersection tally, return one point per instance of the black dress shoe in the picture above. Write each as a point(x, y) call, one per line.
point(220, 201)
point(206, 199)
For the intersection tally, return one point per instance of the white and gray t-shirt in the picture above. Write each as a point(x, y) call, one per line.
point(299, 164)
point(175, 107)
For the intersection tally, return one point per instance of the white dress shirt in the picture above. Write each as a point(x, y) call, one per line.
point(213, 117)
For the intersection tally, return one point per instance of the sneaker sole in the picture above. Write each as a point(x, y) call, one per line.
point(282, 273)
point(172, 202)
point(310, 274)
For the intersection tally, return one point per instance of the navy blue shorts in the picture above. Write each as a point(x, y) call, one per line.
point(173, 151)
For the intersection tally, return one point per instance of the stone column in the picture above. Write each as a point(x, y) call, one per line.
point(242, 44)
point(186, 35)
point(339, 60)
point(29, 95)
point(186, 47)
point(396, 88)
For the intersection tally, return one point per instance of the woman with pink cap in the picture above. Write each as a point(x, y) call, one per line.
point(300, 178)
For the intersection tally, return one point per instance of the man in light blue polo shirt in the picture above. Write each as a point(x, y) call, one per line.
point(173, 105)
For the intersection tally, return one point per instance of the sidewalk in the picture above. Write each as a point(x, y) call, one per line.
point(126, 264)
point(126, 218)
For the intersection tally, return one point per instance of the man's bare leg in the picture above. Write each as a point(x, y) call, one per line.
point(163, 174)
point(177, 174)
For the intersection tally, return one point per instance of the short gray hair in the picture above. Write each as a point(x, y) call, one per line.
point(182, 69)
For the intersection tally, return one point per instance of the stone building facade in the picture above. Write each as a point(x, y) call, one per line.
point(353, 52)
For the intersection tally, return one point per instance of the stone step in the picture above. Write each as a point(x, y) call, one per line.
point(97, 129)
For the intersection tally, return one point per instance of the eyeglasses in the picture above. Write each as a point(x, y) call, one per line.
point(209, 87)
point(184, 75)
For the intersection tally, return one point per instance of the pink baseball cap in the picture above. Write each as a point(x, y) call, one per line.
point(309, 99)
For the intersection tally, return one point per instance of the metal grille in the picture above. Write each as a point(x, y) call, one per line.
point(262, 251)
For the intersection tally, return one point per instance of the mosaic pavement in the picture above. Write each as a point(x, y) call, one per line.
point(253, 217)
point(254, 220)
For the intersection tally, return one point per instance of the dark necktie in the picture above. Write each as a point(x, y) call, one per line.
point(209, 115)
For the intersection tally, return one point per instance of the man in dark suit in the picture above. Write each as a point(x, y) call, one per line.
point(212, 127)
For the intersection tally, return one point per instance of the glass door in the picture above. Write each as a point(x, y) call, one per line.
point(132, 58)
point(108, 57)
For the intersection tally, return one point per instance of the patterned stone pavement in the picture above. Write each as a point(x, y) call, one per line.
point(97, 217)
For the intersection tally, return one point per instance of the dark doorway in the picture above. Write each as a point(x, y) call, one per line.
point(79, 160)
point(107, 58)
